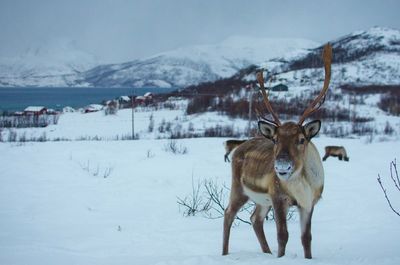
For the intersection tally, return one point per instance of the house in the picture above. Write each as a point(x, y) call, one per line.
point(52, 112)
point(68, 109)
point(140, 100)
point(148, 95)
point(124, 102)
point(124, 99)
point(35, 110)
point(111, 107)
point(92, 108)
point(280, 87)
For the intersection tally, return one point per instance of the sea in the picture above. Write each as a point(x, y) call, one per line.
point(18, 98)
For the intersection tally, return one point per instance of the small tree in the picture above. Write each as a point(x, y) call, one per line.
point(396, 182)
point(151, 123)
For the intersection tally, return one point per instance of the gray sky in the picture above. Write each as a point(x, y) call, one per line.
point(121, 30)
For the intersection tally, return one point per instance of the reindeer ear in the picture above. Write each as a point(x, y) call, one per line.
point(267, 128)
point(311, 129)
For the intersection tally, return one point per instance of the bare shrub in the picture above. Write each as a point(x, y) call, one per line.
point(151, 123)
point(390, 103)
point(12, 136)
point(388, 130)
point(194, 203)
point(396, 183)
point(161, 127)
point(150, 154)
point(173, 147)
point(22, 137)
point(360, 128)
point(221, 131)
point(209, 199)
point(107, 172)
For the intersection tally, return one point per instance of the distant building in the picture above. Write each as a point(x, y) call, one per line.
point(280, 87)
point(68, 109)
point(149, 95)
point(140, 99)
point(92, 108)
point(124, 99)
point(124, 102)
point(35, 110)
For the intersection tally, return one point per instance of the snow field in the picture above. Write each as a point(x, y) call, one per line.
point(56, 207)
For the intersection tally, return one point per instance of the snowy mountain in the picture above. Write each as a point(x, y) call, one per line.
point(177, 68)
point(194, 64)
point(370, 57)
point(53, 63)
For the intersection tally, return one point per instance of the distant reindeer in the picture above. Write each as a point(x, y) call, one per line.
point(335, 151)
point(229, 146)
point(280, 170)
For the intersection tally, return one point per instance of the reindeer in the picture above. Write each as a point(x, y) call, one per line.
point(335, 151)
point(229, 146)
point(281, 169)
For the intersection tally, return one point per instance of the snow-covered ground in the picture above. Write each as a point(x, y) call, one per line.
point(115, 202)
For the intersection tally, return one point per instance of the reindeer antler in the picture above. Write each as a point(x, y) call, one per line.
point(260, 80)
point(319, 100)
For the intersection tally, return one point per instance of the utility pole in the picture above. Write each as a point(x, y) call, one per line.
point(250, 108)
point(133, 114)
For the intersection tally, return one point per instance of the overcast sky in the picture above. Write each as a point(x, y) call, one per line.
point(121, 30)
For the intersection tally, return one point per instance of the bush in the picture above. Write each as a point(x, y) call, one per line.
point(173, 147)
point(394, 175)
point(390, 103)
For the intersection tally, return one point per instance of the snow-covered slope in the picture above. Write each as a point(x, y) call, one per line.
point(370, 57)
point(53, 63)
point(194, 64)
point(360, 58)
point(177, 68)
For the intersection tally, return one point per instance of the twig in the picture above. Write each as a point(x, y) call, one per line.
point(396, 180)
point(387, 198)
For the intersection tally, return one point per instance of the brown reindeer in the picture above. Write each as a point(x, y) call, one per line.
point(335, 151)
point(229, 146)
point(280, 170)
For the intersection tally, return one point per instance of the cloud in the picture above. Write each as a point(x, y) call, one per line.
point(121, 30)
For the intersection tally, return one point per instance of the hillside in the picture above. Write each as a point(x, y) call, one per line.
point(55, 63)
point(365, 80)
point(363, 58)
point(177, 68)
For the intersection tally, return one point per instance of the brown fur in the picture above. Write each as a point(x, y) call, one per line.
point(335, 151)
point(253, 174)
point(229, 146)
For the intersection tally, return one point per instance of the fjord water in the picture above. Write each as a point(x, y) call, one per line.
point(18, 98)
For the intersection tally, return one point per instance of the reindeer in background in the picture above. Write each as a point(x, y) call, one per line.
point(335, 151)
point(281, 169)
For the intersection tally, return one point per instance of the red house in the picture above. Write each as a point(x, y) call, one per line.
point(35, 110)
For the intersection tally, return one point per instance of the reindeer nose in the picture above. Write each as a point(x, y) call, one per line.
point(283, 168)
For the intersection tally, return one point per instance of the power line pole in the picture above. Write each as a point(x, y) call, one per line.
point(250, 108)
point(133, 114)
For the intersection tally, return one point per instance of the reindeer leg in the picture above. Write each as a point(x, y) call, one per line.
point(237, 200)
point(305, 221)
point(226, 157)
point(257, 219)
point(280, 210)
